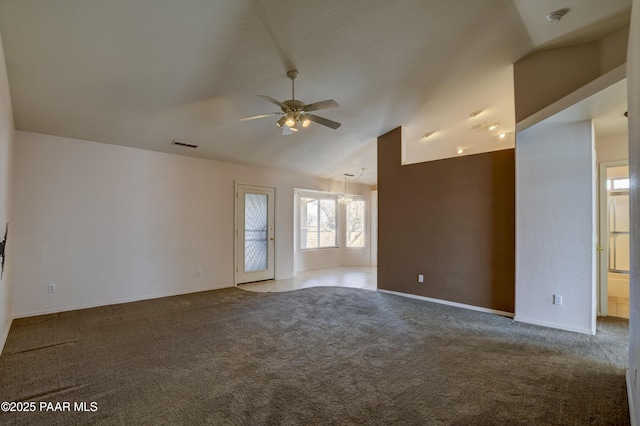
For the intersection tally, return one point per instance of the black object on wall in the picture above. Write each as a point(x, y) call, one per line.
point(3, 244)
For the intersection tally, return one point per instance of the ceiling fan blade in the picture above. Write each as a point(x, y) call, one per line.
point(324, 121)
point(330, 103)
point(273, 101)
point(253, 117)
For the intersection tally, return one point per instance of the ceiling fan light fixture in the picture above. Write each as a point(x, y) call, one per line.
point(281, 121)
point(290, 119)
point(305, 120)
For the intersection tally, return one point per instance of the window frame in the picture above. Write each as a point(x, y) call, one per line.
point(318, 196)
point(364, 224)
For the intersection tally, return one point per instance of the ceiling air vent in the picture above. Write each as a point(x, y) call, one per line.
point(186, 145)
point(478, 126)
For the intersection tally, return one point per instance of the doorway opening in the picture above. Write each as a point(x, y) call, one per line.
point(614, 239)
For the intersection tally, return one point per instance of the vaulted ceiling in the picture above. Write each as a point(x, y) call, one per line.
point(143, 73)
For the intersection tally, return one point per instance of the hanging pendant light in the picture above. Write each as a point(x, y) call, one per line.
point(345, 198)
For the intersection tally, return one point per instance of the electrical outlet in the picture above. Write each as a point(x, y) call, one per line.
point(52, 288)
point(420, 278)
point(557, 299)
point(199, 273)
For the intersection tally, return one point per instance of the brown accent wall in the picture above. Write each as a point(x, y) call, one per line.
point(451, 220)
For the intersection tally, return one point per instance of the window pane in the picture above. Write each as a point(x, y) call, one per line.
point(327, 234)
point(355, 224)
point(621, 183)
point(308, 223)
point(622, 253)
point(621, 213)
point(318, 226)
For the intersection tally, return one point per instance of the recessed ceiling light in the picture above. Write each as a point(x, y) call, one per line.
point(474, 114)
point(460, 151)
point(493, 127)
point(502, 135)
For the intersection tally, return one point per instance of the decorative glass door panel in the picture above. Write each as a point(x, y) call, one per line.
point(255, 237)
point(255, 232)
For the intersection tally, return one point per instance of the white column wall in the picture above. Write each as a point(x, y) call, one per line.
point(633, 91)
point(556, 226)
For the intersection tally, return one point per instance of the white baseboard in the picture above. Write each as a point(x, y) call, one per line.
point(5, 334)
point(630, 398)
point(447, 302)
point(554, 325)
point(113, 302)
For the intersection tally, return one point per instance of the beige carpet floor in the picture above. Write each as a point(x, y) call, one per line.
point(327, 356)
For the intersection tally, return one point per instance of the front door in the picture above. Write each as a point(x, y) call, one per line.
point(255, 236)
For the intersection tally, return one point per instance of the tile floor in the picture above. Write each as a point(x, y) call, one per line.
point(364, 277)
point(618, 307)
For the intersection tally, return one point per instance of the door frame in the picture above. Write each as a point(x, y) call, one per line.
point(236, 189)
point(603, 235)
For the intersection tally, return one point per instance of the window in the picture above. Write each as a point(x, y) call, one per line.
point(355, 223)
point(317, 223)
point(617, 184)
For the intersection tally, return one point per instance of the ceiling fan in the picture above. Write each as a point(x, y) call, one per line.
point(295, 111)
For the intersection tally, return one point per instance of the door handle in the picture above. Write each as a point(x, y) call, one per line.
point(599, 248)
point(272, 238)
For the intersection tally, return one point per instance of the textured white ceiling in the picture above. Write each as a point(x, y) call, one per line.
point(585, 20)
point(143, 73)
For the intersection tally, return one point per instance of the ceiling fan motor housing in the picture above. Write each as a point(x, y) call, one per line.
point(293, 106)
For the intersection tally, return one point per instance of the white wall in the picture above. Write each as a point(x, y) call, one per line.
point(613, 148)
point(633, 90)
point(6, 166)
point(555, 226)
point(109, 224)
